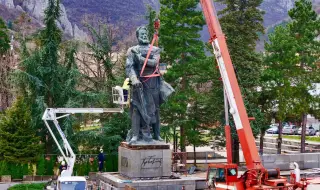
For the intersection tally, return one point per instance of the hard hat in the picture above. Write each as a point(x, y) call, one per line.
point(63, 163)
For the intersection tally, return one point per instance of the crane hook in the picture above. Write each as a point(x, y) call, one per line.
point(157, 24)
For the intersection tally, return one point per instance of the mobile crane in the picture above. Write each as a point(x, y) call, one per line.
point(225, 176)
point(66, 180)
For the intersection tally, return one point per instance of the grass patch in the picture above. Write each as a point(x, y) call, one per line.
point(33, 186)
point(308, 138)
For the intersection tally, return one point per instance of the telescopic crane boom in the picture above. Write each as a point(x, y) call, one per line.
point(231, 86)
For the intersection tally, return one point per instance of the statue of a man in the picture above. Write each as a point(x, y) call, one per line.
point(146, 97)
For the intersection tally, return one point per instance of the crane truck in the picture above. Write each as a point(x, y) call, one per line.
point(225, 176)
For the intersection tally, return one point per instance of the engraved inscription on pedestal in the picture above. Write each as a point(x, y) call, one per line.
point(151, 162)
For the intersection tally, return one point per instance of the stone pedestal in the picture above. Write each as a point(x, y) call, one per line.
point(144, 161)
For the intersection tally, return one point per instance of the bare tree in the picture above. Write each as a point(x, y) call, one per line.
point(103, 58)
point(7, 64)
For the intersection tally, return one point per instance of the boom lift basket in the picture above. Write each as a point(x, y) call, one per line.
point(120, 95)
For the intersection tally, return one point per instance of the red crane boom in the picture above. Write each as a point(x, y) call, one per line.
point(232, 90)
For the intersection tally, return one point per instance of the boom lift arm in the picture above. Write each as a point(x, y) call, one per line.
point(51, 115)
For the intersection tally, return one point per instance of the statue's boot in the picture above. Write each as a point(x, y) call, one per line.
point(158, 138)
point(133, 140)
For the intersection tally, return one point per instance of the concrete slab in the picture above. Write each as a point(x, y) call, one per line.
point(305, 160)
point(146, 188)
point(174, 187)
point(163, 187)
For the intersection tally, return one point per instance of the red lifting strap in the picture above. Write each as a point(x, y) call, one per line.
point(155, 39)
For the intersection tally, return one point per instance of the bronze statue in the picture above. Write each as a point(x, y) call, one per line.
point(146, 96)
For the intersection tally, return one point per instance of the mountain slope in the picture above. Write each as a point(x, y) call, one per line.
point(132, 11)
point(129, 13)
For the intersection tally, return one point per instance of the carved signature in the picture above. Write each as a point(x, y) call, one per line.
point(151, 162)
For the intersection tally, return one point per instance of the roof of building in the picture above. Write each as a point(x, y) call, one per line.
point(72, 178)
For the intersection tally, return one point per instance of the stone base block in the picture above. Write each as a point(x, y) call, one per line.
point(144, 163)
point(6, 178)
point(115, 180)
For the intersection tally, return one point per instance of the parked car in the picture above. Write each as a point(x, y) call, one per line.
point(274, 125)
point(290, 130)
point(309, 131)
point(272, 130)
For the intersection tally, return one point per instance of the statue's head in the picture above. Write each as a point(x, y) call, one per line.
point(142, 35)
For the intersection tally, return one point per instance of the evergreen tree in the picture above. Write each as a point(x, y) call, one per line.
point(18, 140)
point(291, 61)
point(48, 77)
point(241, 21)
point(113, 131)
point(306, 28)
point(4, 38)
point(179, 36)
point(197, 123)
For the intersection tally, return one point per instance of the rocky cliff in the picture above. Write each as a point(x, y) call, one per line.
point(35, 8)
point(276, 10)
point(7, 3)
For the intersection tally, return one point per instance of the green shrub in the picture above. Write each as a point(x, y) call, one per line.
point(33, 186)
point(4, 169)
point(87, 167)
point(41, 166)
point(15, 170)
point(49, 170)
point(75, 169)
point(111, 163)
